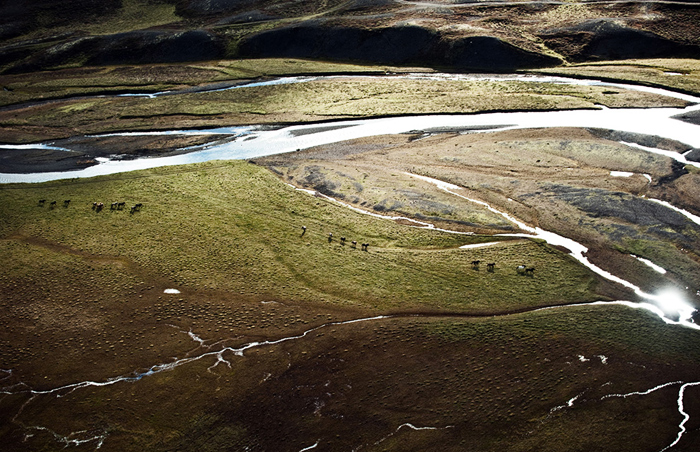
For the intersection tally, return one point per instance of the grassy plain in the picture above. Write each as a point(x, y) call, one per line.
point(82, 299)
point(676, 74)
point(558, 179)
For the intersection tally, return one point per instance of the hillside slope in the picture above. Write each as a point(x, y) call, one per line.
point(501, 36)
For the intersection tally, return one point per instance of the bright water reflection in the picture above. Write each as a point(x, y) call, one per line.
point(252, 141)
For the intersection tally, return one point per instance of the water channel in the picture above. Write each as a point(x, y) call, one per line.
point(254, 141)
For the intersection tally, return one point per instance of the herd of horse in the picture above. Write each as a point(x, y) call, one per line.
point(96, 206)
point(53, 204)
point(343, 240)
point(120, 205)
point(490, 267)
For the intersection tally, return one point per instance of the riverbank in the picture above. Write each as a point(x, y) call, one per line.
point(558, 179)
point(315, 100)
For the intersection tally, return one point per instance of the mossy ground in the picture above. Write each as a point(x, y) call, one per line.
point(558, 179)
point(82, 296)
point(676, 74)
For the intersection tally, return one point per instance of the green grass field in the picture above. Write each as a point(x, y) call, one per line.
point(235, 227)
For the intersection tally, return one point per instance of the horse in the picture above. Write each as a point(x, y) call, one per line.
point(66, 202)
point(530, 271)
point(121, 205)
point(330, 237)
point(475, 264)
point(520, 269)
point(114, 206)
point(52, 204)
point(41, 202)
point(354, 243)
point(491, 267)
point(342, 240)
point(303, 230)
point(99, 206)
point(365, 247)
point(138, 206)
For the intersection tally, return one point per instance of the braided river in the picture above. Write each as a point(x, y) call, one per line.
point(247, 142)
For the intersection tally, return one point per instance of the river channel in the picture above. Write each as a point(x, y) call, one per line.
point(253, 141)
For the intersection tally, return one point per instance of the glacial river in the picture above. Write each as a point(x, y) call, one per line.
point(254, 141)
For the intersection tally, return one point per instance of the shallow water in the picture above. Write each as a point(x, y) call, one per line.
point(253, 141)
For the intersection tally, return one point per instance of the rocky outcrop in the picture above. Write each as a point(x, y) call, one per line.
point(409, 45)
point(400, 45)
point(129, 48)
point(486, 53)
point(607, 39)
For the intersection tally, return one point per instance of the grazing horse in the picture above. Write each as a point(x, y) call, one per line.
point(530, 271)
point(342, 240)
point(354, 243)
point(66, 202)
point(303, 230)
point(41, 202)
point(138, 206)
point(330, 237)
point(475, 264)
point(133, 209)
point(121, 205)
point(520, 269)
point(114, 206)
point(52, 204)
point(491, 267)
point(365, 247)
point(99, 206)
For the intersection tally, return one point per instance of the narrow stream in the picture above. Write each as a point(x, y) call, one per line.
point(669, 304)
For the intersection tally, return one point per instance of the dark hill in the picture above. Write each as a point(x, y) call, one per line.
point(395, 45)
point(605, 39)
point(46, 34)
